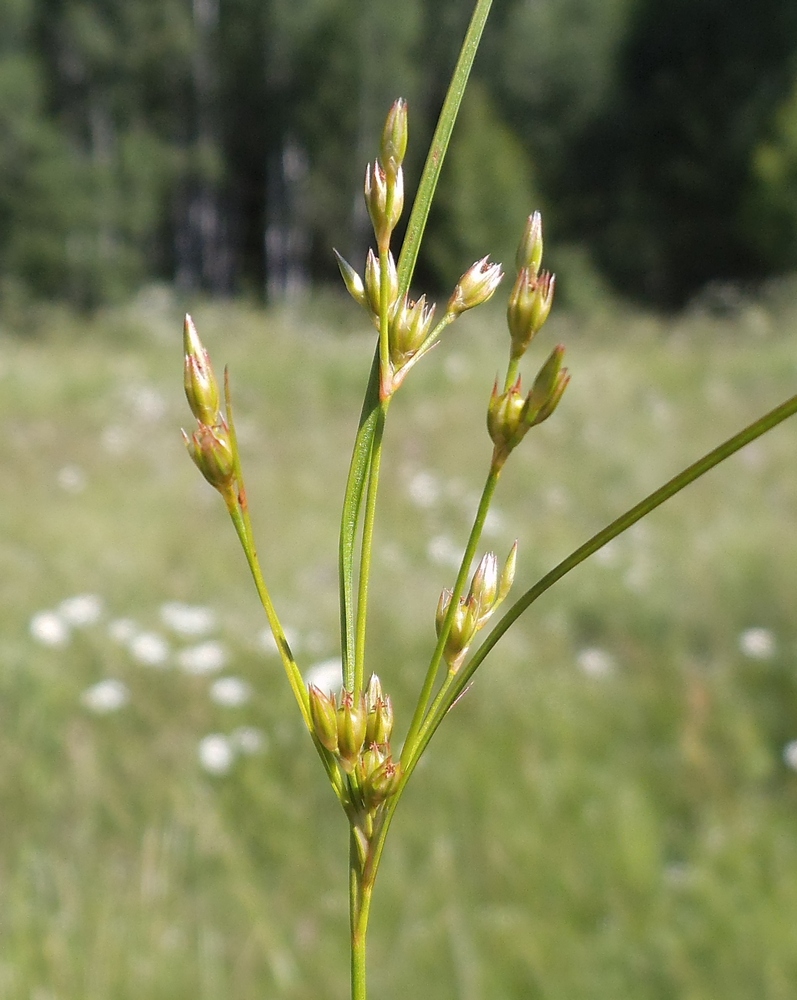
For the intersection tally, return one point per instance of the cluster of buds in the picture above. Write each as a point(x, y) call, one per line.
point(410, 332)
point(487, 590)
point(357, 732)
point(510, 415)
point(384, 178)
point(209, 446)
point(532, 294)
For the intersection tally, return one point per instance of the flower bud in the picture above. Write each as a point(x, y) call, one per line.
point(507, 575)
point(408, 329)
point(529, 305)
point(505, 413)
point(381, 783)
point(211, 450)
point(529, 251)
point(373, 283)
point(385, 201)
point(394, 138)
point(476, 286)
point(201, 387)
point(379, 726)
point(461, 632)
point(483, 588)
point(379, 707)
point(373, 692)
point(324, 716)
point(351, 729)
point(548, 388)
point(352, 280)
point(368, 761)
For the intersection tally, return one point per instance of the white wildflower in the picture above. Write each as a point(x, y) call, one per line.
point(204, 658)
point(231, 692)
point(150, 649)
point(790, 754)
point(83, 609)
point(71, 479)
point(249, 740)
point(758, 643)
point(596, 662)
point(49, 628)
point(105, 696)
point(216, 754)
point(424, 489)
point(187, 619)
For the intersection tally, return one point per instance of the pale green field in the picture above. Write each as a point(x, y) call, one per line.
point(606, 815)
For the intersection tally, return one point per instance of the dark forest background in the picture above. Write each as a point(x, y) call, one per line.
point(220, 144)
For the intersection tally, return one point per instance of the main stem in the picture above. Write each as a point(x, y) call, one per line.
point(359, 928)
point(458, 590)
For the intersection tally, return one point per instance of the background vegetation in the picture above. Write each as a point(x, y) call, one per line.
point(221, 145)
point(609, 812)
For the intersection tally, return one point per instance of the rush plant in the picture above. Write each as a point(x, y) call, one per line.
point(353, 730)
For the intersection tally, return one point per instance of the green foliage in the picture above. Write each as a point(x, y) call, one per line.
point(671, 162)
point(772, 209)
point(184, 137)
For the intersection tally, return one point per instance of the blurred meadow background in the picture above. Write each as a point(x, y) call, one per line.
point(611, 811)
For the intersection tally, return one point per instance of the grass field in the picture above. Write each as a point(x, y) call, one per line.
point(609, 814)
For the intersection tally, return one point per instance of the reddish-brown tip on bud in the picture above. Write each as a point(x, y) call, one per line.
point(381, 783)
point(394, 137)
point(211, 450)
point(324, 716)
point(373, 284)
point(409, 328)
point(528, 308)
point(384, 197)
point(483, 587)
point(352, 721)
point(505, 417)
point(529, 251)
point(477, 285)
point(201, 387)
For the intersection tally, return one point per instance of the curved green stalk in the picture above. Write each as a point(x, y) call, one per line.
point(238, 509)
point(617, 527)
point(437, 150)
point(459, 588)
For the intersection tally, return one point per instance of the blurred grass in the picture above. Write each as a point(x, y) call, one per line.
point(571, 835)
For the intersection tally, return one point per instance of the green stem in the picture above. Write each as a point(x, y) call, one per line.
point(358, 991)
point(359, 930)
point(238, 508)
point(459, 587)
point(437, 150)
point(367, 545)
point(617, 527)
point(352, 504)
